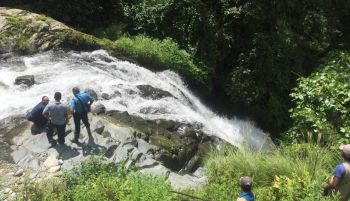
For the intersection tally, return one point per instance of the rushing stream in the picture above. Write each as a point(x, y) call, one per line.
point(60, 71)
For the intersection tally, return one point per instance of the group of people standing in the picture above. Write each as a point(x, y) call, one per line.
point(48, 116)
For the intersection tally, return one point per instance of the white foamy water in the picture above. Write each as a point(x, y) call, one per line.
point(119, 79)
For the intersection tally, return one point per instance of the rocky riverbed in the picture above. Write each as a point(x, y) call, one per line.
point(162, 148)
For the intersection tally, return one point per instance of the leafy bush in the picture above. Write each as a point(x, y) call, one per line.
point(161, 54)
point(322, 102)
point(294, 172)
point(94, 180)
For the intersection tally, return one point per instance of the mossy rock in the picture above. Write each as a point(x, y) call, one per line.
point(26, 33)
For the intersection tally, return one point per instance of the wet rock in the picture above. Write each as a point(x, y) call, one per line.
point(105, 96)
point(25, 79)
point(147, 91)
point(92, 93)
point(98, 108)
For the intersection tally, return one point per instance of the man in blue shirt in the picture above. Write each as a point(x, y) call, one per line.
point(246, 184)
point(80, 106)
point(40, 122)
point(341, 175)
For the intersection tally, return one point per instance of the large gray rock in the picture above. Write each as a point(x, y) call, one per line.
point(121, 154)
point(158, 170)
point(145, 147)
point(19, 154)
point(38, 33)
point(181, 182)
point(37, 143)
point(146, 162)
point(25, 79)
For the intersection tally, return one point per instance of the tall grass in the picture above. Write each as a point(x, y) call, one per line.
point(294, 172)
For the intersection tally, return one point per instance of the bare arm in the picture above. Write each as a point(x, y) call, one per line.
point(46, 115)
point(333, 184)
point(46, 112)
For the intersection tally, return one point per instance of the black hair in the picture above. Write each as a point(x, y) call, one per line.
point(76, 90)
point(246, 188)
point(58, 96)
point(346, 157)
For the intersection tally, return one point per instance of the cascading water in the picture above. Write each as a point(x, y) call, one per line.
point(59, 71)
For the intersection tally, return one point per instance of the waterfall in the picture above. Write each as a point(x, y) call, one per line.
point(61, 71)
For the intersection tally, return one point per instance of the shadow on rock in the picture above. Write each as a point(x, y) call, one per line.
point(92, 148)
point(66, 152)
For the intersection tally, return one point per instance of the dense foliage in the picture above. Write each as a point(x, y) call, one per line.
point(164, 54)
point(94, 180)
point(322, 102)
point(290, 173)
point(253, 51)
point(256, 49)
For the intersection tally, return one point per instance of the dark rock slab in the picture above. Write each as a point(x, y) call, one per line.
point(25, 79)
point(147, 91)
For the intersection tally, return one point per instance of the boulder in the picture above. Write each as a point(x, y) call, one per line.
point(181, 182)
point(147, 91)
point(105, 96)
point(98, 108)
point(38, 33)
point(25, 79)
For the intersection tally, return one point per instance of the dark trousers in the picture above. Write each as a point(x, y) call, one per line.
point(77, 117)
point(61, 130)
point(38, 128)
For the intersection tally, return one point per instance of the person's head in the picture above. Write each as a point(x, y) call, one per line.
point(345, 149)
point(58, 96)
point(75, 90)
point(246, 183)
point(45, 100)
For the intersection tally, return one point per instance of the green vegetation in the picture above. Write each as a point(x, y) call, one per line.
point(19, 36)
point(289, 173)
point(94, 180)
point(322, 102)
point(164, 54)
point(250, 52)
point(255, 49)
point(265, 57)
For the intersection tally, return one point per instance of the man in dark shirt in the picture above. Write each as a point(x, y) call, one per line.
point(35, 116)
